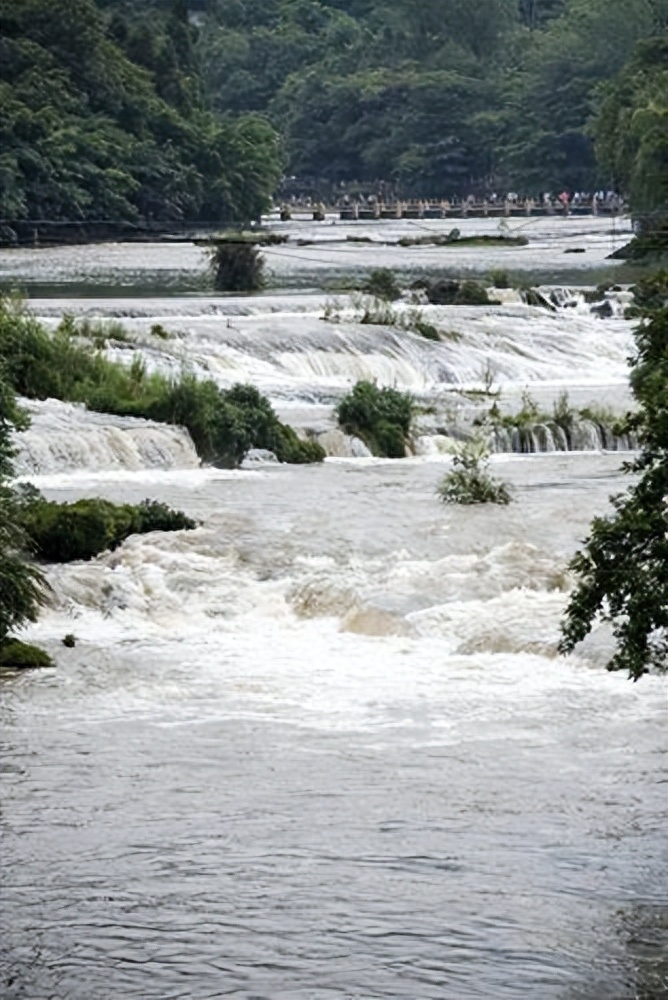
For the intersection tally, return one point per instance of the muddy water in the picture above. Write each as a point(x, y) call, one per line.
point(323, 745)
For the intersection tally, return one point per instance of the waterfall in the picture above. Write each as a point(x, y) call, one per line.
point(66, 438)
point(583, 435)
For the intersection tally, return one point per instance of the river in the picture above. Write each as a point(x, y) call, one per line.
point(323, 746)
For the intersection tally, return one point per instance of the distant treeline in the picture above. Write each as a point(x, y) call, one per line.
point(136, 111)
point(441, 97)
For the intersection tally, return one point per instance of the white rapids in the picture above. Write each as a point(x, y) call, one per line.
point(324, 746)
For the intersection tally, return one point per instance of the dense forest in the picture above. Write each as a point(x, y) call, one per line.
point(103, 117)
point(169, 109)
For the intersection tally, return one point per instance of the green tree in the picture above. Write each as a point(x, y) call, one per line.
point(551, 94)
point(631, 130)
point(102, 117)
point(622, 567)
point(22, 585)
point(380, 417)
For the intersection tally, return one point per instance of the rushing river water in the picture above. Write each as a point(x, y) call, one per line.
point(323, 745)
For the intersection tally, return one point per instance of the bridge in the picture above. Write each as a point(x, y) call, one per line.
point(472, 210)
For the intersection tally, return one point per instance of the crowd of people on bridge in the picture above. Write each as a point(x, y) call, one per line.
point(609, 200)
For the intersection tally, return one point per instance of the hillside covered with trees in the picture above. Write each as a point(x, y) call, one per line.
point(102, 116)
point(439, 96)
point(166, 110)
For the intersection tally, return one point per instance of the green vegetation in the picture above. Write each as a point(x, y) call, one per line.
point(23, 588)
point(649, 246)
point(449, 292)
point(437, 98)
point(69, 640)
point(236, 263)
point(469, 482)
point(371, 311)
point(649, 294)
point(621, 569)
point(158, 330)
point(379, 417)
point(102, 117)
point(631, 132)
point(127, 111)
point(382, 284)
point(425, 329)
point(563, 415)
point(499, 278)
point(63, 532)
point(223, 423)
point(237, 267)
point(17, 655)
point(436, 239)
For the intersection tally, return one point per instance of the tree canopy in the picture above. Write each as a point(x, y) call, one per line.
point(102, 117)
point(436, 97)
point(22, 586)
point(621, 569)
point(134, 110)
point(631, 129)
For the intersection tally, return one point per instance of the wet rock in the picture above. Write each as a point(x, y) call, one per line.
point(340, 445)
point(258, 456)
point(603, 309)
point(534, 298)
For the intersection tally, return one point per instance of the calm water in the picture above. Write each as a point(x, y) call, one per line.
point(323, 745)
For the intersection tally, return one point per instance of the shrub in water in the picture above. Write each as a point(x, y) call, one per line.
point(237, 265)
point(380, 417)
point(499, 278)
point(383, 284)
point(448, 291)
point(426, 329)
point(469, 482)
point(18, 655)
point(158, 330)
point(472, 293)
point(152, 515)
point(83, 529)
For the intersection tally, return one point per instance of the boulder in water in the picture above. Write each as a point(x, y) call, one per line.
point(603, 309)
point(534, 298)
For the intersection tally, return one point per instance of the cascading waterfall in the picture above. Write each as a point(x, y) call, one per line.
point(582, 435)
point(288, 350)
point(288, 753)
point(66, 438)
